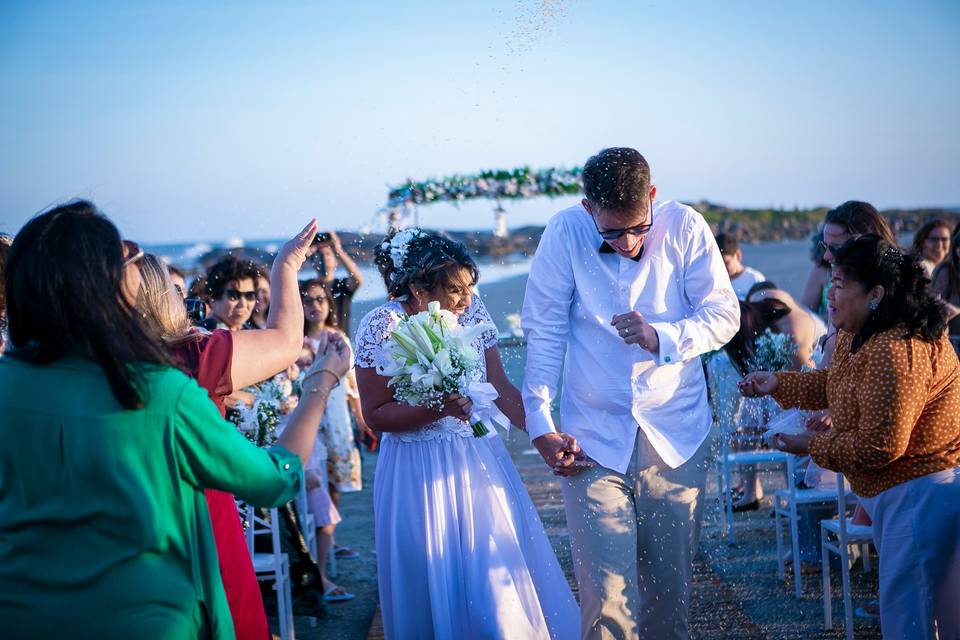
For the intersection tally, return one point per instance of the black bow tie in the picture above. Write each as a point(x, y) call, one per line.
point(606, 248)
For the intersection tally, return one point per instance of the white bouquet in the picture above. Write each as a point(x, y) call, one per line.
point(430, 356)
point(259, 423)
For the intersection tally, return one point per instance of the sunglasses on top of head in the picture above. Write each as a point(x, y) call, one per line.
point(131, 252)
point(233, 295)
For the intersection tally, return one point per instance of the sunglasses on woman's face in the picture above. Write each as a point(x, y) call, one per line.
point(131, 252)
point(233, 295)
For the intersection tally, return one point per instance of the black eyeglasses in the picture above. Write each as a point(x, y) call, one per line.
point(233, 295)
point(615, 234)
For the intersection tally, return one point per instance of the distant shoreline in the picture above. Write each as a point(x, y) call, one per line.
point(751, 226)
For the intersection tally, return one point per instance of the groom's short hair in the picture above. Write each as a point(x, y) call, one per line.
point(617, 179)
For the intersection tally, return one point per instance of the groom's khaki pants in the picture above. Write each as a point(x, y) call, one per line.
point(633, 537)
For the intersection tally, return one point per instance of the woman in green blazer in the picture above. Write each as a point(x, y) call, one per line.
point(107, 450)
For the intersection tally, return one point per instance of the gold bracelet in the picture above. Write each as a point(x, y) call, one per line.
point(336, 378)
point(317, 391)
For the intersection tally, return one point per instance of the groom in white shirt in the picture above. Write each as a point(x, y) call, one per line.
point(623, 296)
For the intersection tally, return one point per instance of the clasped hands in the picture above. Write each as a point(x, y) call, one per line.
point(562, 453)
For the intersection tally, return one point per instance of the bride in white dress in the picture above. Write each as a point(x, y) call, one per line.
point(461, 552)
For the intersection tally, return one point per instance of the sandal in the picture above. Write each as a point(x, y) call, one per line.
point(344, 553)
point(337, 593)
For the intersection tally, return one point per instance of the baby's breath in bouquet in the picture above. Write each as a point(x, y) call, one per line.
point(773, 351)
point(430, 356)
point(259, 422)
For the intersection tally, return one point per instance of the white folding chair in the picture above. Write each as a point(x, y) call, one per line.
point(726, 463)
point(722, 379)
point(785, 503)
point(837, 536)
point(272, 566)
point(307, 523)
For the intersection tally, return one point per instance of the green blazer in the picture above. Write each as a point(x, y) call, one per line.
point(104, 530)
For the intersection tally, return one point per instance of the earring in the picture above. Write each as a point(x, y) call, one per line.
point(874, 304)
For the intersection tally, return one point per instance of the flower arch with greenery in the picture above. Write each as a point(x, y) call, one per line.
point(497, 184)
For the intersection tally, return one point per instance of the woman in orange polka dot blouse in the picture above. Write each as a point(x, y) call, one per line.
point(894, 391)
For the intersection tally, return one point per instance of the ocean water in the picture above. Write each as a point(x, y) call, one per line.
point(786, 263)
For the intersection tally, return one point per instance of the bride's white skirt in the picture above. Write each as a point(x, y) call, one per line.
point(461, 552)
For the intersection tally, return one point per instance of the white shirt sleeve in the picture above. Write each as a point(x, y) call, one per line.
point(546, 325)
point(715, 315)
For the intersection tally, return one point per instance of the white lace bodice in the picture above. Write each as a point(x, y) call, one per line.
point(375, 328)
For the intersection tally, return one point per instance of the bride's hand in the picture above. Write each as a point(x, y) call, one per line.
point(758, 384)
point(457, 406)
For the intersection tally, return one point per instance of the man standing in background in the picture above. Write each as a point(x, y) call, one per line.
point(742, 277)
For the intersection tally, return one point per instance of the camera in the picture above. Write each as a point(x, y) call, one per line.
point(323, 236)
point(196, 310)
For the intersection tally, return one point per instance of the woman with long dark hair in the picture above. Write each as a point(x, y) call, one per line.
point(894, 392)
point(102, 512)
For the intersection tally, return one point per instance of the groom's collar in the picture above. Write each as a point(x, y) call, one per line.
point(606, 248)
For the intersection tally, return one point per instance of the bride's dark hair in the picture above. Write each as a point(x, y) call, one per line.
point(429, 261)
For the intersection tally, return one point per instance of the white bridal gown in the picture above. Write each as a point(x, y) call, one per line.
point(461, 552)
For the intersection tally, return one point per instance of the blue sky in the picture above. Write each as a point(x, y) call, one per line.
point(202, 121)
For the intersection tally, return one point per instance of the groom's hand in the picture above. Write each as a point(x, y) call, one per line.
point(561, 453)
point(634, 329)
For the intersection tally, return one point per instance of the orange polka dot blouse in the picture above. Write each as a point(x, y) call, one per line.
point(895, 405)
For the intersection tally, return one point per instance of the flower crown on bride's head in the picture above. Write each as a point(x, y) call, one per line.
point(414, 255)
point(399, 246)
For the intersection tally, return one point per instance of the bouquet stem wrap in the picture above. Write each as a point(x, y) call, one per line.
point(485, 413)
point(429, 357)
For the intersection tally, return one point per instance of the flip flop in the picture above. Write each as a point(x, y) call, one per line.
point(344, 553)
point(337, 594)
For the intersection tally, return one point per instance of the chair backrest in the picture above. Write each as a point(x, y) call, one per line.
point(301, 499)
point(842, 506)
point(258, 526)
